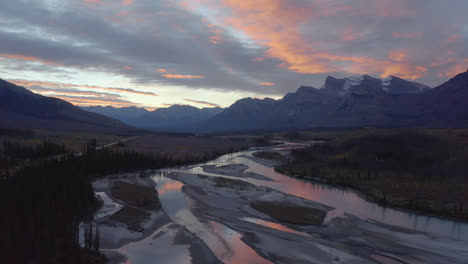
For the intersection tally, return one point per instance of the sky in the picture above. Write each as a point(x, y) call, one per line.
point(207, 53)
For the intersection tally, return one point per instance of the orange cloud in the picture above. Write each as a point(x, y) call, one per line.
point(276, 26)
point(397, 55)
point(150, 108)
point(267, 83)
point(52, 92)
point(29, 58)
point(180, 76)
point(92, 102)
point(26, 83)
point(216, 39)
point(127, 67)
point(258, 59)
point(161, 70)
point(454, 70)
point(404, 71)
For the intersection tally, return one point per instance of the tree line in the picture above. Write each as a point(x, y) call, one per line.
point(42, 205)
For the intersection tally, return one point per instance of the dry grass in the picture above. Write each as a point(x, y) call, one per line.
point(179, 146)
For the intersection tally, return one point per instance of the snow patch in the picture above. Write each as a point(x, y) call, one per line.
point(386, 82)
point(352, 81)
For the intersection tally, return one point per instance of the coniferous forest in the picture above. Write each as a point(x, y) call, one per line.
point(44, 201)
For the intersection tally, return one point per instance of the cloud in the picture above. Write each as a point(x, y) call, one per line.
point(181, 76)
point(27, 83)
point(127, 2)
point(230, 45)
point(267, 83)
point(410, 35)
point(28, 58)
point(88, 101)
point(204, 103)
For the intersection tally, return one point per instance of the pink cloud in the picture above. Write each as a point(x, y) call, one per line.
point(181, 76)
point(127, 2)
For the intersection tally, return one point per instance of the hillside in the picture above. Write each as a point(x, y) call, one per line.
point(21, 108)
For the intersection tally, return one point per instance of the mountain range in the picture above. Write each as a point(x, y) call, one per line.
point(340, 103)
point(176, 118)
point(21, 108)
point(352, 102)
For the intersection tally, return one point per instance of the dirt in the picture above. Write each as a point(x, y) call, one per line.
point(136, 195)
point(132, 217)
point(234, 184)
point(291, 214)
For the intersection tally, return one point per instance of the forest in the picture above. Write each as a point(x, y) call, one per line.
point(44, 201)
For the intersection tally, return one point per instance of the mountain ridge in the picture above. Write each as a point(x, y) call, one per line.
point(21, 108)
point(354, 102)
point(176, 118)
point(340, 103)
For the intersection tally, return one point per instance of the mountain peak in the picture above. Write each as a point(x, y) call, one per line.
point(391, 85)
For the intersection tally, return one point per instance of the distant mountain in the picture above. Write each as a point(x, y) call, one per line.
point(21, 108)
point(124, 114)
point(364, 84)
point(340, 103)
point(177, 118)
point(351, 102)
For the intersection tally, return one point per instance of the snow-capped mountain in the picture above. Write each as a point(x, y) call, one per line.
point(364, 84)
point(351, 102)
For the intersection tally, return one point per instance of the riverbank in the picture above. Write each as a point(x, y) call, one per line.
point(406, 170)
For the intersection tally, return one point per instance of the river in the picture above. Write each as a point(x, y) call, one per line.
point(224, 223)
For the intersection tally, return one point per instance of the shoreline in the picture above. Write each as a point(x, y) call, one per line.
point(369, 197)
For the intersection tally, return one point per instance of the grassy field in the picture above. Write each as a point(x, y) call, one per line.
point(73, 141)
point(179, 146)
point(422, 169)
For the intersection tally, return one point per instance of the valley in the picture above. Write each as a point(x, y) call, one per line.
point(220, 204)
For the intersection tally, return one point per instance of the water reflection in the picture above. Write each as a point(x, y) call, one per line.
point(273, 225)
point(348, 201)
point(238, 251)
point(159, 248)
point(224, 242)
point(345, 201)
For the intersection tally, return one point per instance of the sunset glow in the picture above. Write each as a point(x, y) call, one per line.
point(226, 49)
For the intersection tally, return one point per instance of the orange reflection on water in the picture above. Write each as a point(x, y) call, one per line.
point(239, 252)
point(170, 186)
point(272, 225)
